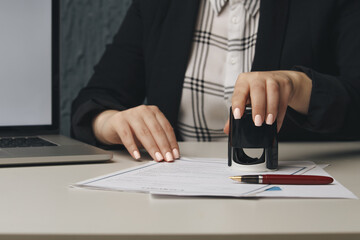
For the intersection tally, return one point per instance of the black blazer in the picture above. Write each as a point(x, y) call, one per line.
point(148, 58)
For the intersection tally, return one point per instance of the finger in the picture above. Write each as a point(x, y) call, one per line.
point(160, 137)
point(143, 134)
point(258, 101)
point(240, 96)
point(226, 128)
point(283, 104)
point(127, 139)
point(272, 101)
point(169, 132)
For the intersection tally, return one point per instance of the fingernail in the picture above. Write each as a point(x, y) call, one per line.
point(158, 156)
point(169, 157)
point(136, 154)
point(269, 119)
point(237, 114)
point(176, 153)
point(258, 120)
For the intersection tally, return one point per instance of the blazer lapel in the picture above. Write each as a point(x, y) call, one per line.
point(171, 59)
point(271, 33)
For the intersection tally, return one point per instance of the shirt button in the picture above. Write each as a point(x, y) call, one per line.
point(233, 60)
point(235, 20)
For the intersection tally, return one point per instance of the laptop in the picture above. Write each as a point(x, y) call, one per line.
point(29, 88)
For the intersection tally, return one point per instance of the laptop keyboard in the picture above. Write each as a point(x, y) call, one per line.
point(11, 142)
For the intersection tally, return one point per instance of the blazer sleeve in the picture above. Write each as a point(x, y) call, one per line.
point(334, 108)
point(118, 81)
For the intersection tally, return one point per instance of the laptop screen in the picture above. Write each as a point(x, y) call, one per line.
point(25, 63)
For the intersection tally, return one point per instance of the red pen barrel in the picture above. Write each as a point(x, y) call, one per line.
point(295, 179)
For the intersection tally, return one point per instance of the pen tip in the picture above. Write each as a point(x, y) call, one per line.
point(236, 178)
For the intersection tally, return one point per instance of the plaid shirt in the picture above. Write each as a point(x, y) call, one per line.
point(223, 47)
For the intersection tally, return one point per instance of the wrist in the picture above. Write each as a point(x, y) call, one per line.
point(99, 122)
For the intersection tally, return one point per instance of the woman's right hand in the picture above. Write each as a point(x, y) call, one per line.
point(142, 126)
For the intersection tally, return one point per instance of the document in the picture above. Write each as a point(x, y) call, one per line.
point(210, 177)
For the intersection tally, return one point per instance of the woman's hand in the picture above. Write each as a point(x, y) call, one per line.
point(142, 126)
point(269, 94)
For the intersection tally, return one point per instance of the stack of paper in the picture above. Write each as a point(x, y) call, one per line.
point(210, 177)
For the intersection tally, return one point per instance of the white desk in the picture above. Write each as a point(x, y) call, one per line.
point(36, 203)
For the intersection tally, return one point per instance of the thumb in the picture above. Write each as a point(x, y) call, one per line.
point(226, 128)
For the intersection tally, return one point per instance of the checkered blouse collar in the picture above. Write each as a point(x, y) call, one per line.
point(250, 5)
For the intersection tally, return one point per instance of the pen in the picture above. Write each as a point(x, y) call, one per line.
point(283, 179)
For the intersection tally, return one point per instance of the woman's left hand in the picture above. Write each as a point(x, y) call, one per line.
point(270, 93)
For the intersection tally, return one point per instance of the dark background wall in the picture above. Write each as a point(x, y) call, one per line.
point(86, 27)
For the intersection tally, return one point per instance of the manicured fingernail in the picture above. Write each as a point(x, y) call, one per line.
point(136, 154)
point(158, 156)
point(269, 119)
point(176, 153)
point(169, 157)
point(237, 114)
point(258, 120)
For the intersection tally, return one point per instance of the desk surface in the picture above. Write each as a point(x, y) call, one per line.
point(37, 203)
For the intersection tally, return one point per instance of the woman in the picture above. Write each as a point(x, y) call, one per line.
point(297, 62)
